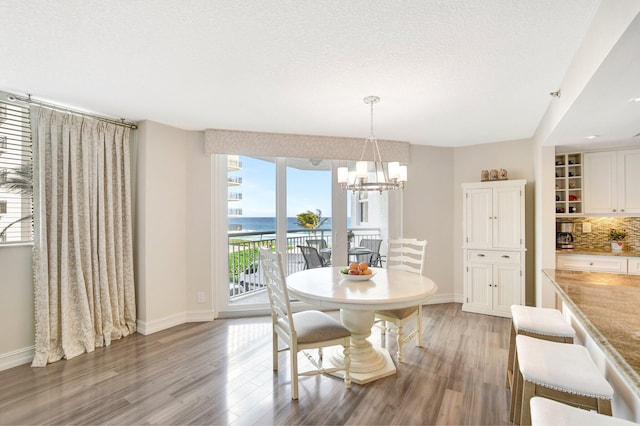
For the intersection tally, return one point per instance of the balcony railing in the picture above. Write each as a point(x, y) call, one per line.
point(245, 277)
point(234, 180)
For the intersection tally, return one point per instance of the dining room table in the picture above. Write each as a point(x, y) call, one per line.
point(358, 299)
point(352, 254)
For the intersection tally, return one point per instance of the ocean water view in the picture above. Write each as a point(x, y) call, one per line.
point(268, 224)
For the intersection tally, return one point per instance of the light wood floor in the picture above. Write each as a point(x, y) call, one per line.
point(220, 373)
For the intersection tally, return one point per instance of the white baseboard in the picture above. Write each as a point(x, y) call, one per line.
point(439, 298)
point(150, 327)
point(200, 316)
point(17, 357)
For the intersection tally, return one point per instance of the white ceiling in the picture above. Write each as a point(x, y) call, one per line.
point(449, 72)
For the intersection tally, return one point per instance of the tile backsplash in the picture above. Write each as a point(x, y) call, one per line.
point(598, 238)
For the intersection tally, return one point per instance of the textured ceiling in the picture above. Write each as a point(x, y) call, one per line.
point(449, 72)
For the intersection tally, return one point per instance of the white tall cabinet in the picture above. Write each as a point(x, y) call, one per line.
point(494, 246)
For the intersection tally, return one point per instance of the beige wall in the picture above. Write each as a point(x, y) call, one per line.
point(199, 255)
point(16, 306)
point(161, 225)
point(516, 157)
point(427, 214)
point(173, 227)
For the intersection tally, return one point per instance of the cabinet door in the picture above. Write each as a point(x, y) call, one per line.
point(478, 218)
point(506, 286)
point(634, 266)
point(600, 182)
point(507, 217)
point(628, 181)
point(478, 290)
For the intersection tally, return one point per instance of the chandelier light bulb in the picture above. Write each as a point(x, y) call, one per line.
point(343, 174)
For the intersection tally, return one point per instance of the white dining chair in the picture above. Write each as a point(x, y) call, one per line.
point(407, 255)
point(302, 330)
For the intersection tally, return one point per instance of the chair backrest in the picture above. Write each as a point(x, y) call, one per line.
point(372, 244)
point(319, 243)
point(311, 256)
point(273, 271)
point(407, 254)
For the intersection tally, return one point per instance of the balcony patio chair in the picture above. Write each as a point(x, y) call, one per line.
point(320, 244)
point(407, 255)
point(374, 258)
point(302, 330)
point(312, 258)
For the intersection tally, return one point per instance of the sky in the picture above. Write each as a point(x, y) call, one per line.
point(306, 189)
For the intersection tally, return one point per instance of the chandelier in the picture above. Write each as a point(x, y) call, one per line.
point(393, 176)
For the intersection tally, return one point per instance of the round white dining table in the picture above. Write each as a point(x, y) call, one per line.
point(358, 301)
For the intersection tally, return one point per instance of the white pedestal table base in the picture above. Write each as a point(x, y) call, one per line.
point(368, 363)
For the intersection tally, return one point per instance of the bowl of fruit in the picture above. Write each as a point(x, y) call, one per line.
point(357, 272)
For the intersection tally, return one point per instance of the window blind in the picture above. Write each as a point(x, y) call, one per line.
point(16, 189)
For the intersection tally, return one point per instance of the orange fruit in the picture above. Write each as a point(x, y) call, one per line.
point(367, 272)
point(353, 265)
point(363, 266)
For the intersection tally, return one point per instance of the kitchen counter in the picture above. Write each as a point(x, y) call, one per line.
point(607, 306)
point(600, 252)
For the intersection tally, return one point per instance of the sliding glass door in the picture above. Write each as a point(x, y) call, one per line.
point(289, 203)
point(278, 203)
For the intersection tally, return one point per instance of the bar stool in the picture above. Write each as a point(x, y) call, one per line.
point(558, 371)
point(542, 323)
point(547, 412)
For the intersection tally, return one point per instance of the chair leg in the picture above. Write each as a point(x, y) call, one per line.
point(275, 352)
point(383, 334)
point(604, 407)
point(400, 340)
point(419, 336)
point(516, 390)
point(510, 358)
point(528, 392)
point(294, 372)
point(347, 365)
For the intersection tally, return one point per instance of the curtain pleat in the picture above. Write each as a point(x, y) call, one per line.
point(83, 263)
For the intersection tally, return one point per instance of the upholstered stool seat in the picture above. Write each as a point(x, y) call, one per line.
point(545, 412)
point(563, 372)
point(543, 323)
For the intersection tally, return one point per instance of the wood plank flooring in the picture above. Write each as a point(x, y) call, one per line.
point(221, 373)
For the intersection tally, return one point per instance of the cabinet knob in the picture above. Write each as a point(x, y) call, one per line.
point(614, 210)
point(621, 210)
point(506, 256)
point(480, 255)
point(590, 263)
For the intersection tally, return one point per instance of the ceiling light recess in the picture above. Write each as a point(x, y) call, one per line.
point(384, 178)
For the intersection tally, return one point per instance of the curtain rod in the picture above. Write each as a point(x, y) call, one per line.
point(29, 100)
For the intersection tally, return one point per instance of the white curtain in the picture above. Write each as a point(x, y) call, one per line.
point(83, 261)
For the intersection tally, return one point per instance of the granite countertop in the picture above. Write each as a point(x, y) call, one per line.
point(600, 252)
point(607, 306)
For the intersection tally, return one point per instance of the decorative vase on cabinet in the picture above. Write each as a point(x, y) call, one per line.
point(494, 246)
